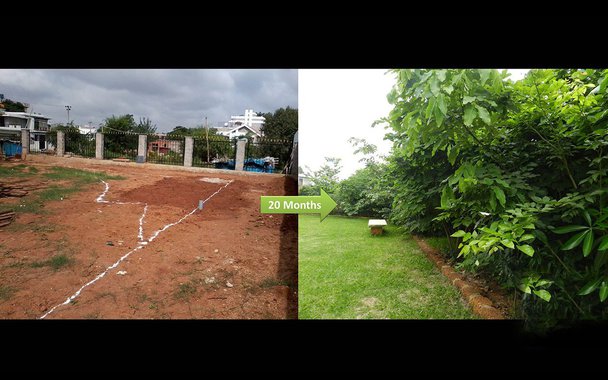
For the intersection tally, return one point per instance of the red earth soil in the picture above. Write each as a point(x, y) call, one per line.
point(225, 261)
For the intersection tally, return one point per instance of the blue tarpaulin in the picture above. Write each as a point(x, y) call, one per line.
point(10, 148)
point(250, 165)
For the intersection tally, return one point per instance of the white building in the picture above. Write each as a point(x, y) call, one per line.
point(87, 129)
point(303, 180)
point(248, 124)
point(11, 124)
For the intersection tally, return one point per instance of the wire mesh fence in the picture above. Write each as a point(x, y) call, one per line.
point(79, 144)
point(267, 155)
point(120, 145)
point(215, 152)
point(219, 152)
point(167, 150)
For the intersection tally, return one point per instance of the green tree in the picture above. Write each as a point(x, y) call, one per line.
point(368, 191)
point(179, 130)
point(120, 135)
point(145, 126)
point(281, 124)
point(124, 123)
point(13, 106)
point(326, 177)
point(515, 172)
point(220, 147)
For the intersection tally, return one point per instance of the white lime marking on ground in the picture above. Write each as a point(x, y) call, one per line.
point(140, 235)
point(214, 180)
point(142, 243)
point(99, 276)
point(103, 194)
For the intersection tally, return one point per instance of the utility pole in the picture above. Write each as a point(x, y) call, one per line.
point(68, 108)
point(207, 135)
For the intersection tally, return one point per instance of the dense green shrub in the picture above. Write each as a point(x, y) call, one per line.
point(516, 171)
point(366, 193)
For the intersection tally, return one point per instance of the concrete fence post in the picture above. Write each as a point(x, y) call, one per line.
point(241, 146)
point(99, 146)
point(293, 166)
point(60, 143)
point(142, 149)
point(188, 151)
point(25, 143)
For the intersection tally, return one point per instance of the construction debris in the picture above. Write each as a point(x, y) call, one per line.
point(12, 191)
point(18, 189)
point(6, 217)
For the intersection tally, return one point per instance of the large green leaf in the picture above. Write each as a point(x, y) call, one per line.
point(525, 288)
point(604, 84)
point(603, 244)
point(526, 237)
point(603, 291)
point(493, 202)
point(483, 114)
point(468, 99)
point(545, 295)
point(438, 116)
point(588, 243)
point(470, 113)
point(441, 103)
point(587, 217)
point(452, 154)
point(568, 229)
point(484, 75)
point(429, 108)
point(507, 243)
point(500, 195)
point(574, 241)
point(459, 233)
point(435, 86)
point(544, 283)
point(525, 248)
point(590, 287)
point(502, 182)
point(447, 195)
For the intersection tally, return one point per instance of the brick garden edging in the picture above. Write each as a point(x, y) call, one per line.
point(481, 306)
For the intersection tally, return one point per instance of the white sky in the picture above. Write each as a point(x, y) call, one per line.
point(337, 104)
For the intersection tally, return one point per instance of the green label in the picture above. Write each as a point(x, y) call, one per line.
point(322, 204)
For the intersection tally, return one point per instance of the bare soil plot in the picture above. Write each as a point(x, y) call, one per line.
point(225, 261)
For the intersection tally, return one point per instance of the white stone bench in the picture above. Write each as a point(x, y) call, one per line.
point(376, 226)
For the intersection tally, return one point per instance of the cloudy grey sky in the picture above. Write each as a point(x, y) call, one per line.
point(167, 97)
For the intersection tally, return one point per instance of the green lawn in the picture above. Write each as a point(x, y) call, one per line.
point(347, 273)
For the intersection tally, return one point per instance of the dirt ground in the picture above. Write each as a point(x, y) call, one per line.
point(225, 261)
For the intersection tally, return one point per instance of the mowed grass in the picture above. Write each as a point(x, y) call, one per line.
point(346, 273)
